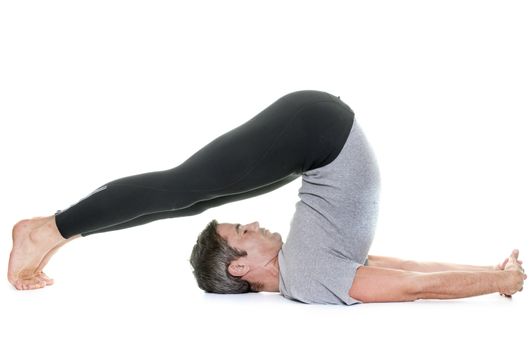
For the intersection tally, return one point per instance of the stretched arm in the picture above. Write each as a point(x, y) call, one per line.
point(423, 266)
point(377, 284)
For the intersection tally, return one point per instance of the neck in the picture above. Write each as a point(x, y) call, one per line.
point(268, 276)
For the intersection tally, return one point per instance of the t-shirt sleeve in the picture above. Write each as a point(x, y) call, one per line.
point(338, 279)
point(326, 279)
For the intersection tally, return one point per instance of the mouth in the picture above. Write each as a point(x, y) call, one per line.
point(267, 234)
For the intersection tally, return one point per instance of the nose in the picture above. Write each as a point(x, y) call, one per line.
point(254, 226)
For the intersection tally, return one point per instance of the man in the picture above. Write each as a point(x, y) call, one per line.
point(255, 262)
point(325, 258)
point(333, 225)
point(309, 133)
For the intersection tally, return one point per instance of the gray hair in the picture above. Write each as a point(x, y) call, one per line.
point(211, 255)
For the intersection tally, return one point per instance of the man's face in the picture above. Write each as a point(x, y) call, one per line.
point(260, 244)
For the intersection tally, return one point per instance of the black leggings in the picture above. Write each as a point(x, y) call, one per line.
point(302, 130)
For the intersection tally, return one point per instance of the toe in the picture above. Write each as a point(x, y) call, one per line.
point(40, 284)
point(35, 284)
point(31, 283)
point(24, 285)
point(42, 276)
point(18, 284)
point(49, 281)
point(40, 280)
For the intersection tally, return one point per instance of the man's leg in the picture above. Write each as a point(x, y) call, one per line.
point(271, 148)
point(49, 239)
point(185, 190)
point(196, 208)
point(299, 131)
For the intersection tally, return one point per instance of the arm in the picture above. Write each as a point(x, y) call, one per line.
point(459, 284)
point(376, 284)
point(425, 266)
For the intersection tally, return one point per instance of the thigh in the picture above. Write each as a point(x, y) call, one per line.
point(298, 132)
point(194, 209)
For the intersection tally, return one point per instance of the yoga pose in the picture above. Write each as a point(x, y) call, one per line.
point(325, 259)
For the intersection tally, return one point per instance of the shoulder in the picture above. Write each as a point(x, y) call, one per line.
point(319, 277)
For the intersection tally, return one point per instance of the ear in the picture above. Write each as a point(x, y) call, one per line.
point(238, 268)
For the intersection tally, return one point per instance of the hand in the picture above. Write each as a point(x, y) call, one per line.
point(515, 275)
point(502, 265)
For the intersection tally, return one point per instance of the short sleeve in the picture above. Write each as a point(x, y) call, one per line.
point(337, 278)
point(326, 279)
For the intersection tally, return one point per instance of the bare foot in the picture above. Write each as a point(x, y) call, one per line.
point(33, 239)
point(49, 255)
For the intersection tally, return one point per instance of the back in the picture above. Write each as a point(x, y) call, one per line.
point(333, 226)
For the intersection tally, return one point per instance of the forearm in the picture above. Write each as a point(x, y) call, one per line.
point(457, 284)
point(422, 266)
point(428, 266)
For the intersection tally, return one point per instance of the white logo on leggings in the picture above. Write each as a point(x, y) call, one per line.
point(99, 189)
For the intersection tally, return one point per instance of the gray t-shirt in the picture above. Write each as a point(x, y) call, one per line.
point(333, 226)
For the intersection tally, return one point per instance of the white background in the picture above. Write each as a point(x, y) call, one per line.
point(96, 90)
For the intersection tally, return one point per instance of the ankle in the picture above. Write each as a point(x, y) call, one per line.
point(47, 232)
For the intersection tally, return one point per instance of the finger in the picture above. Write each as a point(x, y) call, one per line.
point(502, 265)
